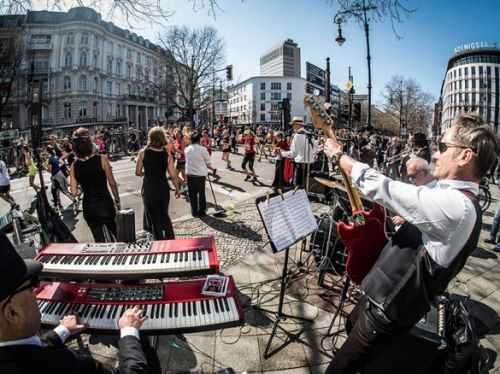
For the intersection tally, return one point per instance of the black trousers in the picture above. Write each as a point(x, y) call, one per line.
point(100, 214)
point(248, 158)
point(299, 175)
point(278, 181)
point(368, 328)
point(156, 205)
point(196, 192)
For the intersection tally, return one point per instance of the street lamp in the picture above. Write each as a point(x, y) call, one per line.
point(358, 11)
point(339, 39)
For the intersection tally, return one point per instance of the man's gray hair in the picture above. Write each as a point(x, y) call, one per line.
point(419, 163)
point(472, 132)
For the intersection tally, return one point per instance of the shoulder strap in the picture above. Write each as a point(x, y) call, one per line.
point(470, 195)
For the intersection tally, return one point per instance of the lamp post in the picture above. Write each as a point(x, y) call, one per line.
point(359, 12)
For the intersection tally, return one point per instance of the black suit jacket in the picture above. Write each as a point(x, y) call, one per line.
point(55, 358)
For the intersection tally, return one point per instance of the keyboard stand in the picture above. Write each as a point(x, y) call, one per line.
point(280, 316)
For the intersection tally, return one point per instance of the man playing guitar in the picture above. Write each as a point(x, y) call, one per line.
point(442, 228)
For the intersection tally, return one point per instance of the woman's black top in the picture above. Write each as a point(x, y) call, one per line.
point(155, 172)
point(91, 177)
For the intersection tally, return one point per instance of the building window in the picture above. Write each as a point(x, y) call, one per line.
point(118, 68)
point(129, 71)
point(129, 89)
point(83, 83)
point(109, 88)
point(109, 65)
point(118, 88)
point(70, 39)
point(262, 106)
point(68, 60)
point(488, 71)
point(67, 83)
point(473, 70)
point(263, 117)
point(275, 95)
point(263, 96)
point(289, 96)
point(473, 83)
point(466, 82)
point(138, 72)
point(262, 85)
point(480, 71)
point(83, 59)
point(459, 72)
point(288, 85)
point(94, 62)
point(85, 38)
point(67, 110)
point(129, 54)
point(139, 58)
point(83, 109)
point(275, 85)
point(466, 71)
point(146, 75)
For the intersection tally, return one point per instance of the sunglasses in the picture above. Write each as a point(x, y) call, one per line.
point(443, 147)
point(33, 284)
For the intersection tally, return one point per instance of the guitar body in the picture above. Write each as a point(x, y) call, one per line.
point(363, 241)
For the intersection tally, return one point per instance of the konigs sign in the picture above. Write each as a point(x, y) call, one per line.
point(475, 45)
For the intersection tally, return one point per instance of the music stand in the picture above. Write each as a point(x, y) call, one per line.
point(269, 226)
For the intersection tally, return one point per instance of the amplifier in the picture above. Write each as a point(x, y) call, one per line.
point(125, 226)
point(415, 352)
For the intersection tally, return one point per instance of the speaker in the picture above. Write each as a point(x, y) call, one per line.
point(125, 226)
point(415, 352)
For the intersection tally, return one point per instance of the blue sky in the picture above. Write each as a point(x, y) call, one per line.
point(429, 37)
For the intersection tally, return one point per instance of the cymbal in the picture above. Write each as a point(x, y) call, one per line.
point(329, 183)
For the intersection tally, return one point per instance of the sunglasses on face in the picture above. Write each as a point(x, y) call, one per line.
point(443, 147)
point(33, 284)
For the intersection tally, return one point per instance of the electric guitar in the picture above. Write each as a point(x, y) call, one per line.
point(364, 236)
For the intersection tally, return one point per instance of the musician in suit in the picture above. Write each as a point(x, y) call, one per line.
point(22, 351)
point(442, 229)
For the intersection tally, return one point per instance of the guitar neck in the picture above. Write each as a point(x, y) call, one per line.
point(352, 192)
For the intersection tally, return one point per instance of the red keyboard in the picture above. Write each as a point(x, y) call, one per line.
point(147, 260)
point(171, 307)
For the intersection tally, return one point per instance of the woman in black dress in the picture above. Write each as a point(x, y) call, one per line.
point(93, 173)
point(153, 162)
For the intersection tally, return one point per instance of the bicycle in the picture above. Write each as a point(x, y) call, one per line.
point(484, 195)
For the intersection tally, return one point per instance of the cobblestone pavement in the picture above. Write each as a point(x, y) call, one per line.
point(244, 252)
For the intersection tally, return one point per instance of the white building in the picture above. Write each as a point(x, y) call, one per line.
point(472, 84)
point(91, 71)
point(255, 100)
point(281, 60)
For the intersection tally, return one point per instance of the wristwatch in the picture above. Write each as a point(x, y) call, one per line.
point(336, 157)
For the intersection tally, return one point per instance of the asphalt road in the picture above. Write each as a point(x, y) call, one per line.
point(230, 188)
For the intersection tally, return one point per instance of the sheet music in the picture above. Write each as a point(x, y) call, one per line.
point(287, 219)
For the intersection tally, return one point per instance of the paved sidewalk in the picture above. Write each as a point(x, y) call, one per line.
point(245, 253)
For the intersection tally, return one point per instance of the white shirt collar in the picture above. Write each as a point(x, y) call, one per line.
point(32, 340)
point(459, 185)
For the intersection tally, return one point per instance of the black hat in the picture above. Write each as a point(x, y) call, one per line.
point(195, 137)
point(15, 271)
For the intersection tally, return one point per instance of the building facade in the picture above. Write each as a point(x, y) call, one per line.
point(256, 100)
point(91, 72)
point(281, 60)
point(472, 84)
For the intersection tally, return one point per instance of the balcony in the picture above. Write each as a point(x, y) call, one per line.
point(40, 46)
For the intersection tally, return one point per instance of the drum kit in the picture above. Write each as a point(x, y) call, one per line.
point(327, 249)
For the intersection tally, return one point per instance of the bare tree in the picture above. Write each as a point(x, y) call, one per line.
point(11, 55)
point(192, 55)
point(406, 101)
point(396, 11)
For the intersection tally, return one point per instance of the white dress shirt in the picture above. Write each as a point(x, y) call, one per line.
point(64, 334)
point(197, 160)
point(301, 149)
point(444, 215)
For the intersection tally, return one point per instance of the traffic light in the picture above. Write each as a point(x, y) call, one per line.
point(356, 112)
point(229, 72)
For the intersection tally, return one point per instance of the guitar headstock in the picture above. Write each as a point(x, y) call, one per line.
point(320, 118)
